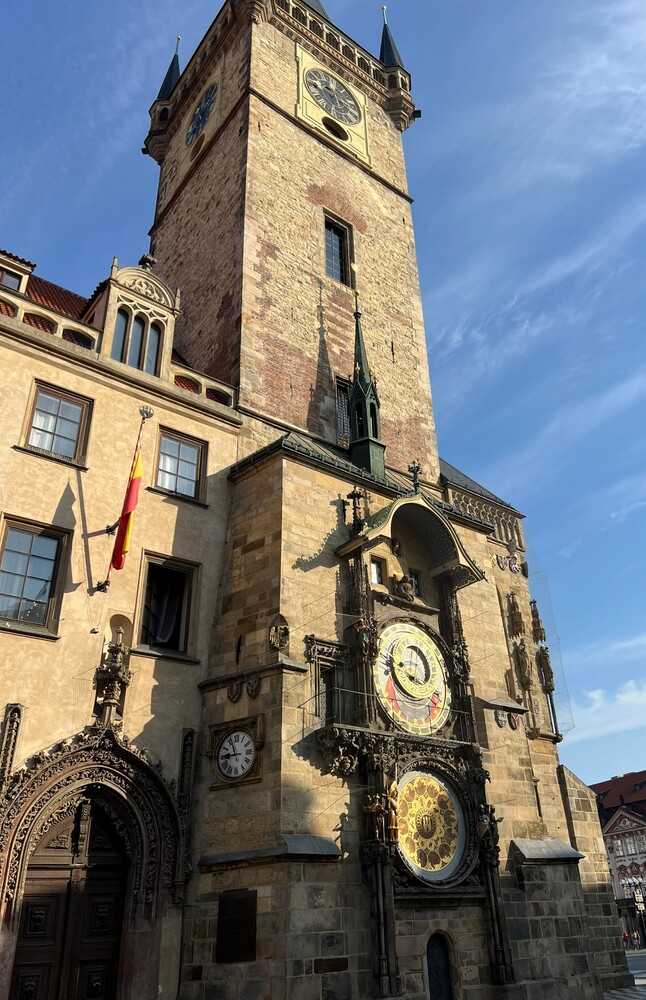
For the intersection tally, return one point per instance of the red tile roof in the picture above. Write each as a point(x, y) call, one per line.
point(622, 790)
point(19, 260)
point(61, 300)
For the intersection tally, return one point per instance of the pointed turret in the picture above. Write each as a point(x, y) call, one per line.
point(170, 80)
point(389, 53)
point(366, 450)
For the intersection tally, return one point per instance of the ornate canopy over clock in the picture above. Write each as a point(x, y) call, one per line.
point(432, 826)
point(410, 678)
point(333, 96)
point(201, 114)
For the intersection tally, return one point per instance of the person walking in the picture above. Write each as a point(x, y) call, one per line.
point(636, 940)
point(626, 939)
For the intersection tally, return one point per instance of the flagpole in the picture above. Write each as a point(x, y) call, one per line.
point(146, 413)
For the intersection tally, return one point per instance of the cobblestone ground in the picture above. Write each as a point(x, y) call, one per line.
point(634, 993)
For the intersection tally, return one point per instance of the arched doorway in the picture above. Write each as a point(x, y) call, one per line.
point(439, 968)
point(71, 916)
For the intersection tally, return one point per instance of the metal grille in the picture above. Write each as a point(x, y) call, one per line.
point(343, 412)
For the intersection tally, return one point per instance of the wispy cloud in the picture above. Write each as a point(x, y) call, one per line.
point(526, 469)
point(618, 652)
point(603, 712)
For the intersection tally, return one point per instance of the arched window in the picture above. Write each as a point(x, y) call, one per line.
point(374, 422)
point(361, 424)
point(78, 338)
point(439, 968)
point(137, 342)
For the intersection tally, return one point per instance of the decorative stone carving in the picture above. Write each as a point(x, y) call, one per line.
point(234, 691)
point(357, 499)
point(538, 630)
point(279, 634)
point(545, 671)
point(112, 678)
point(523, 668)
point(9, 739)
point(253, 686)
point(516, 624)
point(404, 588)
point(415, 470)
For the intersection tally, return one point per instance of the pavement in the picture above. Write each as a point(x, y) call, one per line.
point(637, 965)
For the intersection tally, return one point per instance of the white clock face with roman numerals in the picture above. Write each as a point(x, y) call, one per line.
point(236, 755)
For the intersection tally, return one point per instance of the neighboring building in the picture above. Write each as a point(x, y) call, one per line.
point(622, 809)
point(304, 744)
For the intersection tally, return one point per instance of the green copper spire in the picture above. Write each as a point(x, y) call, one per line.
point(366, 450)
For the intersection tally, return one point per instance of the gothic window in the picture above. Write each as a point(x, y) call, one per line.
point(342, 412)
point(136, 342)
point(299, 15)
point(29, 574)
point(9, 279)
point(439, 968)
point(630, 844)
point(619, 847)
point(374, 421)
point(166, 608)
point(59, 423)
point(180, 465)
point(338, 251)
point(236, 933)
point(363, 64)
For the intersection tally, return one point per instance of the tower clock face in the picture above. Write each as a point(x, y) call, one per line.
point(410, 679)
point(201, 114)
point(333, 96)
point(236, 755)
point(432, 827)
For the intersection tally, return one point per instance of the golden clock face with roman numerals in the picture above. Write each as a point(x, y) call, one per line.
point(432, 828)
point(410, 679)
point(236, 755)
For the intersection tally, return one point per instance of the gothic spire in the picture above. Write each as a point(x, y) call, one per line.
point(362, 373)
point(366, 450)
point(170, 80)
point(389, 54)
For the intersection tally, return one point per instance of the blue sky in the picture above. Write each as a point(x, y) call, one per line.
point(528, 173)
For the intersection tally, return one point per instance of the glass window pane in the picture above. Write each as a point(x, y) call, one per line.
point(168, 463)
point(43, 569)
point(169, 446)
point(71, 411)
point(66, 429)
point(63, 446)
point(10, 280)
point(152, 349)
point(12, 584)
point(14, 562)
point(49, 404)
point(187, 470)
point(40, 439)
point(9, 607)
point(186, 487)
point(136, 342)
point(32, 612)
point(44, 546)
point(189, 452)
point(18, 541)
point(165, 480)
point(119, 339)
point(36, 590)
point(44, 421)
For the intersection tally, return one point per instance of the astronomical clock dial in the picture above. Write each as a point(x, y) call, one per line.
point(333, 96)
point(432, 827)
point(201, 114)
point(410, 679)
point(236, 755)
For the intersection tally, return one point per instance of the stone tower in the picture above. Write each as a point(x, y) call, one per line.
point(257, 175)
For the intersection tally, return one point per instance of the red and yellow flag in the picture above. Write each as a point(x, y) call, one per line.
point(124, 531)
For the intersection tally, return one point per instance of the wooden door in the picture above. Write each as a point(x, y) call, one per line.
point(439, 969)
point(72, 912)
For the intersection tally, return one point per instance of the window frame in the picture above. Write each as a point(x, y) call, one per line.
point(345, 229)
point(342, 387)
point(63, 537)
point(133, 316)
point(86, 404)
point(14, 274)
point(189, 605)
point(416, 578)
point(200, 482)
point(383, 570)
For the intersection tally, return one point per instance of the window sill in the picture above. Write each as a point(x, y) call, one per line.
point(177, 496)
point(162, 654)
point(31, 631)
point(52, 458)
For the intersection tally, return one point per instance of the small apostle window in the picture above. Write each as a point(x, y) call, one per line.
point(166, 608)
point(415, 576)
point(338, 251)
point(377, 571)
point(236, 934)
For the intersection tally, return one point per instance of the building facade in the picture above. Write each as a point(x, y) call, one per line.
point(622, 811)
point(303, 744)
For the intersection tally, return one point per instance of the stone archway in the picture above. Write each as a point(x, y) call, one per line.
point(440, 973)
point(101, 767)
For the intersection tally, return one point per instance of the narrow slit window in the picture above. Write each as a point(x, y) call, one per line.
point(119, 338)
point(152, 349)
point(377, 571)
point(342, 412)
point(136, 342)
point(337, 251)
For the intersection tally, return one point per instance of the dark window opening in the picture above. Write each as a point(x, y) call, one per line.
point(136, 342)
point(166, 606)
point(342, 412)
point(415, 576)
point(440, 978)
point(78, 338)
point(337, 252)
point(374, 420)
point(236, 934)
point(9, 279)
point(360, 421)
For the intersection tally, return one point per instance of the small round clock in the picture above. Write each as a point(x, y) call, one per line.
point(432, 827)
point(409, 675)
point(236, 755)
point(333, 96)
point(201, 114)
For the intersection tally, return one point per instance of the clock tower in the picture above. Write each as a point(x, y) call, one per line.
point(282, 191)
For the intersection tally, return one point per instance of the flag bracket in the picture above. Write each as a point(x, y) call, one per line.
point(111, 528)
point(102, 586)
